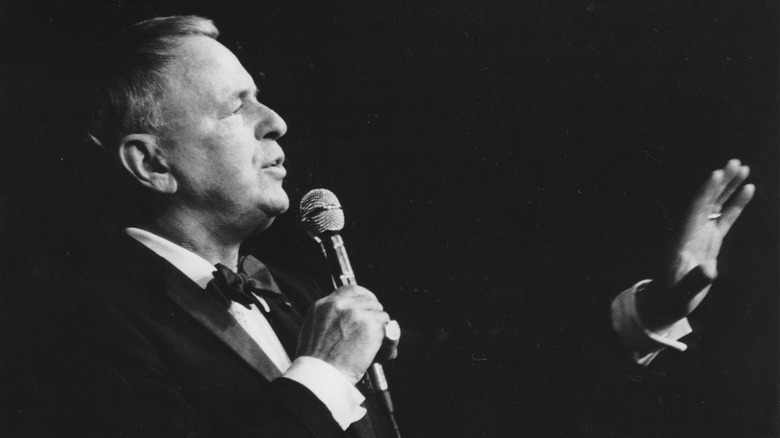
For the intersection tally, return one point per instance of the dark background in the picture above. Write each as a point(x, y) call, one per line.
point(506, 169)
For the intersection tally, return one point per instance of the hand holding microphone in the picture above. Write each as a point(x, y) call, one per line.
point(345, 329)
point(323, 218)
point(351, 316)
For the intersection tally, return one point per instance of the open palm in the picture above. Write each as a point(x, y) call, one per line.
point(693, 267)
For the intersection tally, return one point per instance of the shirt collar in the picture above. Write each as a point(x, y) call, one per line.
point(195, 267)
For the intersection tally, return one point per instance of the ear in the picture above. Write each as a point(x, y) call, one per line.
point(143, 157)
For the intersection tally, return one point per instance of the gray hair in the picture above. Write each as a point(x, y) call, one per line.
point(128, 96)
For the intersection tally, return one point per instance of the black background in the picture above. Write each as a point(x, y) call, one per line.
point(505, 167)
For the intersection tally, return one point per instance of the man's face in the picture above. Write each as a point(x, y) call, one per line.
point(220, 142)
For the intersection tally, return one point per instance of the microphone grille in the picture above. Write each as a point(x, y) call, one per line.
point(321, 212)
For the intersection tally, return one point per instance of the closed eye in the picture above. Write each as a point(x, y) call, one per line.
point(244, 97)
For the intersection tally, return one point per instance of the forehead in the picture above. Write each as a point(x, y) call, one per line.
point(205, 68)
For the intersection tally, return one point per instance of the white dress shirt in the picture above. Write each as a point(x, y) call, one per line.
point(325, 381)
point(645, 343)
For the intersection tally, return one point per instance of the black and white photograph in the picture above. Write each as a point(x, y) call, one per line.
point(411, 219)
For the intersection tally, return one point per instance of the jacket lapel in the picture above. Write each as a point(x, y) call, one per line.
point(220, 323)
point(138, 261)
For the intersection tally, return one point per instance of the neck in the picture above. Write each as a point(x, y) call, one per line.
point(199, 237)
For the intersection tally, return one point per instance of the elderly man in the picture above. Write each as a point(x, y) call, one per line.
point(191, 355)
point(176, 349)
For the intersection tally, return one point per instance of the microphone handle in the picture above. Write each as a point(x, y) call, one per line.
point(338, 262)
point(341, 273)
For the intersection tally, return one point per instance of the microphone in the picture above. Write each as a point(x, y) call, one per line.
point(323, 219)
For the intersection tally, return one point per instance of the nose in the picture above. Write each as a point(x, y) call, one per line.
point(270, 126)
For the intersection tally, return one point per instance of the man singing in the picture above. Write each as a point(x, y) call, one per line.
point(187, 338)
point(189, 354)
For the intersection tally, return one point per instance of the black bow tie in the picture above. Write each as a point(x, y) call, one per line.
point(253, 279)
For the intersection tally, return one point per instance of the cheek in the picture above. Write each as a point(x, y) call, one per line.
point(232, 149)
point(225, 157)
point(205, 173)
point(219, 159)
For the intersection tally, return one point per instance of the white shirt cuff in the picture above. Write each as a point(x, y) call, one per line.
point(644, 343)
point(333, 389)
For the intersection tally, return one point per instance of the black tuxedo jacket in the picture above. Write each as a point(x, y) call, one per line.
point(160, 357)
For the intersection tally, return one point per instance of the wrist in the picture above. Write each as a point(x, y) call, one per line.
point(659, 304)
point(330, 386)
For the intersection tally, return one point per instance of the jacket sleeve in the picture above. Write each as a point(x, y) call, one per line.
point(127, 383)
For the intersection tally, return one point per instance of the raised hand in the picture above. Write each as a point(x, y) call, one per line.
point(693, 267)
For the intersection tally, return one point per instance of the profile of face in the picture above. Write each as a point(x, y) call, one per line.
point(220, 143)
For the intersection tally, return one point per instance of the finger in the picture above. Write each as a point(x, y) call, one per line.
point(368, 301)
point(389, 348)
point(352, 290)
point(374, 325)
point(729, 171)
point(359, 295)
point(708, 194)
point(731, 214)
point(359, 303)
point(734, 177)
point(388, 351)
point(347, 290)
point(372, 320)
point(382, 318)
point(393, 352)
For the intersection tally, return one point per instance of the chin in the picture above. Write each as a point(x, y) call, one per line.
point(270, 210)
point(278, 205)
point(262, 226)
